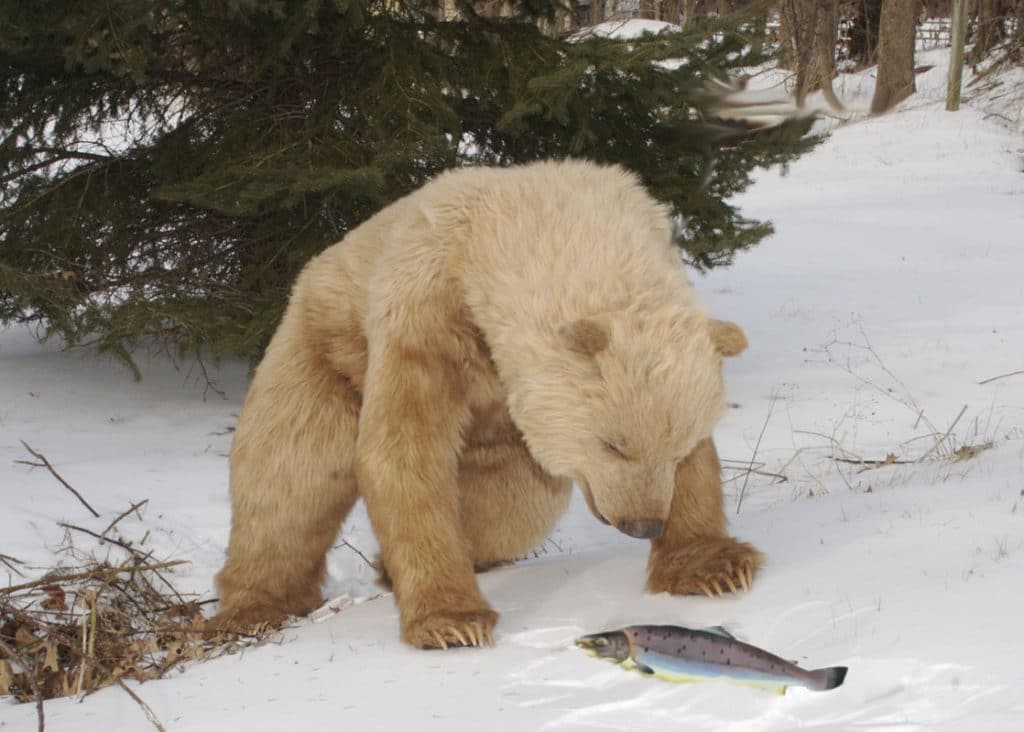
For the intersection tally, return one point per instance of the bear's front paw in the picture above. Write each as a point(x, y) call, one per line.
point(708, 566)
point(446, 628)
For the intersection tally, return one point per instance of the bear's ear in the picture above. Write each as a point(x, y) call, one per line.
point(728, 338)
point(586, 336)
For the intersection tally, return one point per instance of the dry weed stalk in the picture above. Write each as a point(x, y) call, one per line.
point(95, 623)
point(78, 630)
point(753, 456)
point(944, 443)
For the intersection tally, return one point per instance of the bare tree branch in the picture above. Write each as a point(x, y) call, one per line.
point(46, 463)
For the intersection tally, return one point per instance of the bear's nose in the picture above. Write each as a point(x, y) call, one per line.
point(642, 528)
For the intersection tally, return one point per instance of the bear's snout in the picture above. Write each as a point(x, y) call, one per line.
point(642, 528)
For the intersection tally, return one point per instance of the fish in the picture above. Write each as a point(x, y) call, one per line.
point(675, 653)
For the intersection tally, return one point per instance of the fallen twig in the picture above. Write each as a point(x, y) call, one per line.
point(100, 573)
point(10, 562)
point(868, 464)
point(127, 547)
point(365, 558)
point(137, 554)
point(1001, 376)
point(46, 464)
point(13, 654)
point(133, 507)
point(145, 707)
point(779, 477)
point(75, 633)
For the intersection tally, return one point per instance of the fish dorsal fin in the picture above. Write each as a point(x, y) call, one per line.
point(720, 631)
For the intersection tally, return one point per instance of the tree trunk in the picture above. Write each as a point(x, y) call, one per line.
point(790, 25)
point(670, 10)
point(895, 79)
point(808, 38)
point(1016, 39)
point(823, 56)
point(596, 12)
point(956, 56)
point(988, 30)
point(759, 31)
point(689, 13)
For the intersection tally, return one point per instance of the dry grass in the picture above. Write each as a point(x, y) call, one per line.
point(944, 451)
point(92, 625)
point(82, 628)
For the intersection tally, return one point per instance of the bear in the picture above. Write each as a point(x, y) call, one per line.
point(459, 361)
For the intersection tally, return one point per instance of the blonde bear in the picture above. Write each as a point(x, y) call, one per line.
point(460, 360)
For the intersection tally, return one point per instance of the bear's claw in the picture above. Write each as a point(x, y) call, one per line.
point(447, 630)
point(471, 635)
point(709, 566)
point(452, 630)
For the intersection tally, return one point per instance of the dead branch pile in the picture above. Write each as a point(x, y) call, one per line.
point(82, 628)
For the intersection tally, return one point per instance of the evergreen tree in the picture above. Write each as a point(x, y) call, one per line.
point(169, 165)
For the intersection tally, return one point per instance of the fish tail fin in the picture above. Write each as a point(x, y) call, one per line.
point(828, 678)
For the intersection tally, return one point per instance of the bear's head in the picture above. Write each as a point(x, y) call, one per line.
point(624, 397)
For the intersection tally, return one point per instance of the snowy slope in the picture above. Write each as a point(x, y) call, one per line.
point(891, 288)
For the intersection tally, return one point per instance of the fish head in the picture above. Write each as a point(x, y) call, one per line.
point(613, 645)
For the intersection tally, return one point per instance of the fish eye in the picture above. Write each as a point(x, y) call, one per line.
point(601, 642)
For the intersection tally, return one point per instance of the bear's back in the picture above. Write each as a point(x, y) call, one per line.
point(512, 235)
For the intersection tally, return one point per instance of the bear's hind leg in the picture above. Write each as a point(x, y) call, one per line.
point(292, 485)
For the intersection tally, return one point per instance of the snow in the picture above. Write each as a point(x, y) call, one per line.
point(891, 288)
point(628, 30)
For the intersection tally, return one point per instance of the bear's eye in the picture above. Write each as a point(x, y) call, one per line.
point(614, 449)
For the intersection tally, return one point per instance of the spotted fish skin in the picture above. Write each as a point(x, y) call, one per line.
point(675, 653)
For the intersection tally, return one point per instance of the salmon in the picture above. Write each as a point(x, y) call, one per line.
point(674, 653)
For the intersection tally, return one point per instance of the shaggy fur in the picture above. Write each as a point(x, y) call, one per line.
point(457, 362)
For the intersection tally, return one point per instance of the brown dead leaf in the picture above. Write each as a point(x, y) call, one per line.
point(55, 598)
point(50, 662)
point(87, 627)
point(966, 452)
point(175, 649)
point(55, 684)
point(24, 638)
point(6, 677)
point(68, 684)
point(143, 647)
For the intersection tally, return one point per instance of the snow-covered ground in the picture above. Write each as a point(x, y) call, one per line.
point(892, 287)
